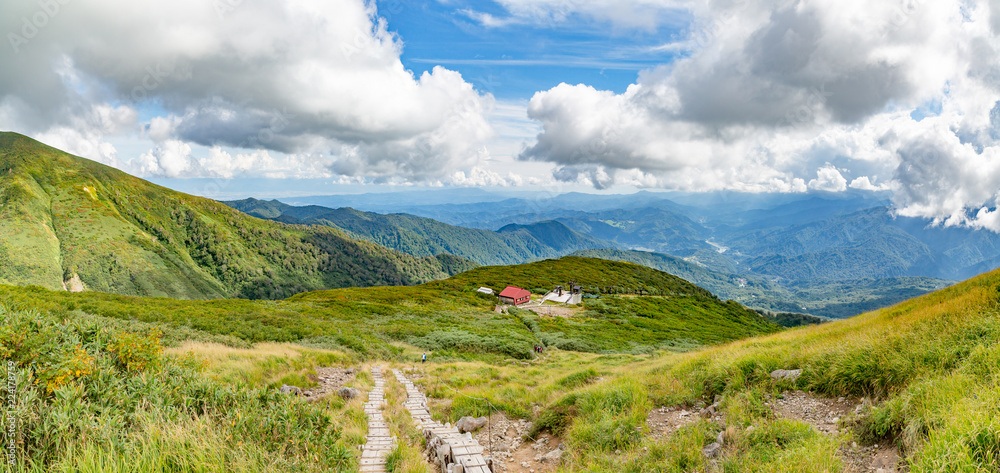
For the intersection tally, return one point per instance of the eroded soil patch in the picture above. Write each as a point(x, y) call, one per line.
point(330, 380)
point(505, 438)
point(825, 414)
point(664, 421)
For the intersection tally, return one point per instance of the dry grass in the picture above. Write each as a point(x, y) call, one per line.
point(268, 364)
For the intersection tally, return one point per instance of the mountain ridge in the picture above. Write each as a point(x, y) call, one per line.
point(68, 219)
point(421, 236)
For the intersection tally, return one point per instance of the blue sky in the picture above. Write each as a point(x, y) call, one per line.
point(516, 60)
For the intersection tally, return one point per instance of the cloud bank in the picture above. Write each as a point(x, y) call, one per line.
point(794, 95)
point(310, 77)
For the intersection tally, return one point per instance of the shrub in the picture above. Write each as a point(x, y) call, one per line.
point(136, 353)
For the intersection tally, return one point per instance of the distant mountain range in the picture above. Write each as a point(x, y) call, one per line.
point(419, 236)
point(821, 297)
point(827, 254)
point(847, 235)
point(67, 222)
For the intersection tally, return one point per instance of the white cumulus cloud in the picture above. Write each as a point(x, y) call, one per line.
point(789, 96)
point(301, 76)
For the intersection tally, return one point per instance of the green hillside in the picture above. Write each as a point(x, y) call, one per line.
point(68, 222)
point(98, 393)
point(421, 236)
point(449, 314)
point(920, 380)
point(823, 297)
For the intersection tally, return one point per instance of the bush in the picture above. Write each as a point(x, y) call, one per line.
point(136, 353)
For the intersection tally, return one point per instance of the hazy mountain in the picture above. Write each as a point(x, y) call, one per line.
point(70, 222)
point(421, 236)
point(823, 297)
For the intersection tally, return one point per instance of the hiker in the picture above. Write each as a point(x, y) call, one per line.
point(423, 358)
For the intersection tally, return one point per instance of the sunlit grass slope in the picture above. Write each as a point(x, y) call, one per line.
point(929, 366)
point(64, 218)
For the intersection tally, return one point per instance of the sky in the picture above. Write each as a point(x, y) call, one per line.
point(227, 98)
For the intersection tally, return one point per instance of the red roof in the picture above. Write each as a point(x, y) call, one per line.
point(515, 293)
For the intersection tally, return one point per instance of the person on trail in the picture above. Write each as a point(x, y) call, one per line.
point(423, 358)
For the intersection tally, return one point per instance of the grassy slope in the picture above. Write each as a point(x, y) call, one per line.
point(64, 216)
point(99, 395)
point(448, 315)
point(420, 236)
point(835, 299)
point(930, 366)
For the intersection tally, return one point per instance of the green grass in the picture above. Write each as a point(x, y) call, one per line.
point(62, 216)
point(447, 317)
point(929, 366)
point(92, 399)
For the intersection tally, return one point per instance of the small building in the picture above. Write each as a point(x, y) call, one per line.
point(485, 290)
point(514, 295)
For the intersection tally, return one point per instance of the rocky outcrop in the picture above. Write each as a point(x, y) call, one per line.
point(786, 375)
point(470, 424)
point(553, 457)
point(348, 393)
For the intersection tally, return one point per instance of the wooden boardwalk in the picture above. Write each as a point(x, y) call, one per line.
point(380, 442)
point(448, 446)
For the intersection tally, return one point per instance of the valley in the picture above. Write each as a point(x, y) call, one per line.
point(831, 257)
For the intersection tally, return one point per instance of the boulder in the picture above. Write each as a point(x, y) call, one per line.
point(348, 393)
point(789, 375)
point(286, 389)
point(470, 424)
point(552, 457)
point(712, 450)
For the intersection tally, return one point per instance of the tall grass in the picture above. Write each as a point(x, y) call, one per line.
point(91, 399)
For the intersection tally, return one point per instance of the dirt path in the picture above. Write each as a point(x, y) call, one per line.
point(822, 413)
